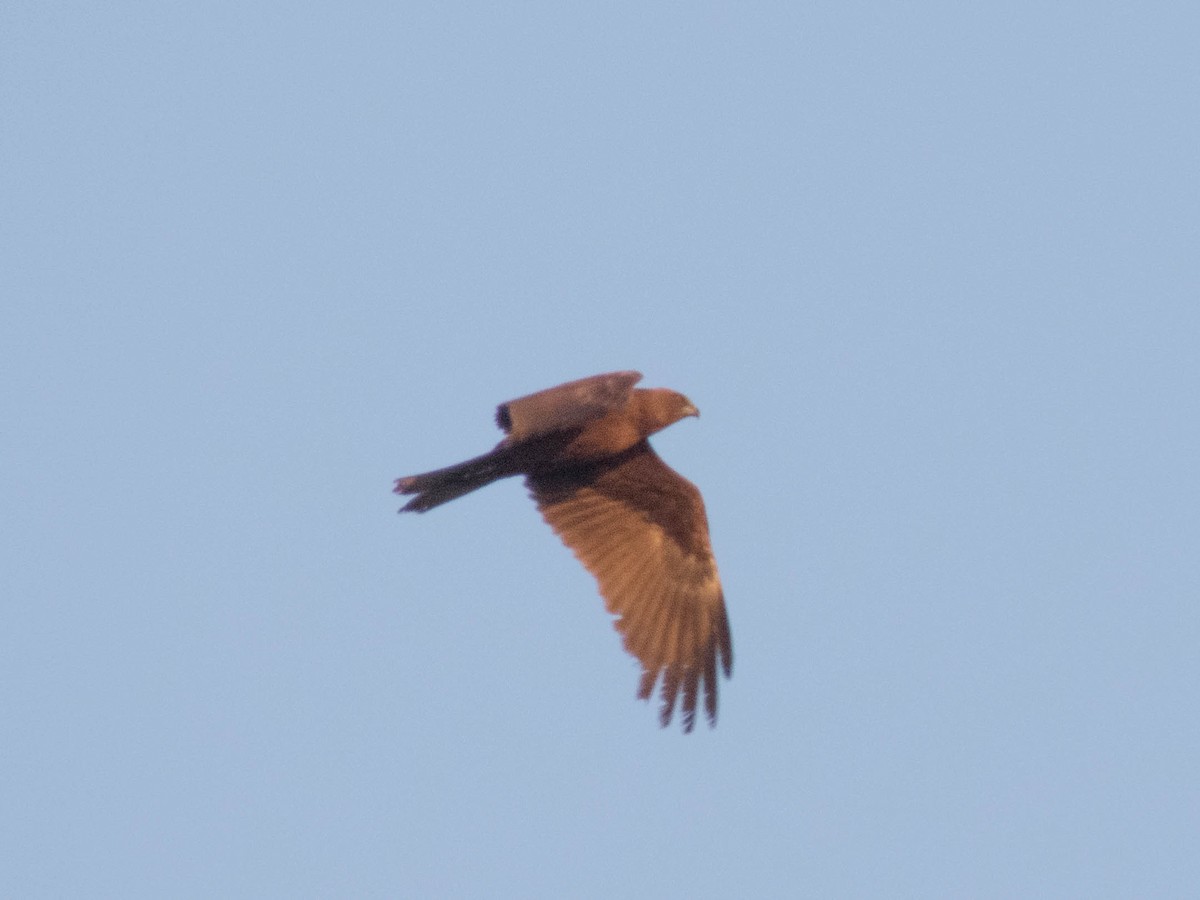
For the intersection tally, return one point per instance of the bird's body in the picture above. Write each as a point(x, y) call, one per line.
point(637, 525)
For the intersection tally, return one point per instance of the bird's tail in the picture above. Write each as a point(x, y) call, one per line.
point(443, 485)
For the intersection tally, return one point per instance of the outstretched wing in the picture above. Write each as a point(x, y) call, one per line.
point(569, 405)
point(639, 527)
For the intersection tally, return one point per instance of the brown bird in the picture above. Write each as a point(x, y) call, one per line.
point(637, 525)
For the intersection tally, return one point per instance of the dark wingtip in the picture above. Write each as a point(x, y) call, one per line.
point(503, 418)
point(671, 691)
point(646, 685)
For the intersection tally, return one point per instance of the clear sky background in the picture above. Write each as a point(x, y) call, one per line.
point(930, 271)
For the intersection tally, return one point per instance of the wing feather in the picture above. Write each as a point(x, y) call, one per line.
point(640, 529)
point(566, 406)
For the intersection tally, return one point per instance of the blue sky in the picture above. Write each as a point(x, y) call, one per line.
point(930, 273)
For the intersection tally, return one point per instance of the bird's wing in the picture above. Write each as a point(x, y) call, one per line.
point(566, 406)
point(640, 528)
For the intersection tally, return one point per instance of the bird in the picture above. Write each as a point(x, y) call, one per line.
point(635, 524)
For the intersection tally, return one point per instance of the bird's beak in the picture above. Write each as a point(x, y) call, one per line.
point(690, 410)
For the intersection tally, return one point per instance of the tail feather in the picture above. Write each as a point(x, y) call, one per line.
point(443, 485)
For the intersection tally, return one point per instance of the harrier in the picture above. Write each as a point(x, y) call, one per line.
point(637, 525)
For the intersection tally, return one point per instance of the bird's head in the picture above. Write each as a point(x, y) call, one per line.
point(661, 407)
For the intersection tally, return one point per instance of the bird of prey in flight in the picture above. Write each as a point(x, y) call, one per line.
point(637, 525)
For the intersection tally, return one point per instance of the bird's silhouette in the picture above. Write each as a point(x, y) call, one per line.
point(637, 525)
